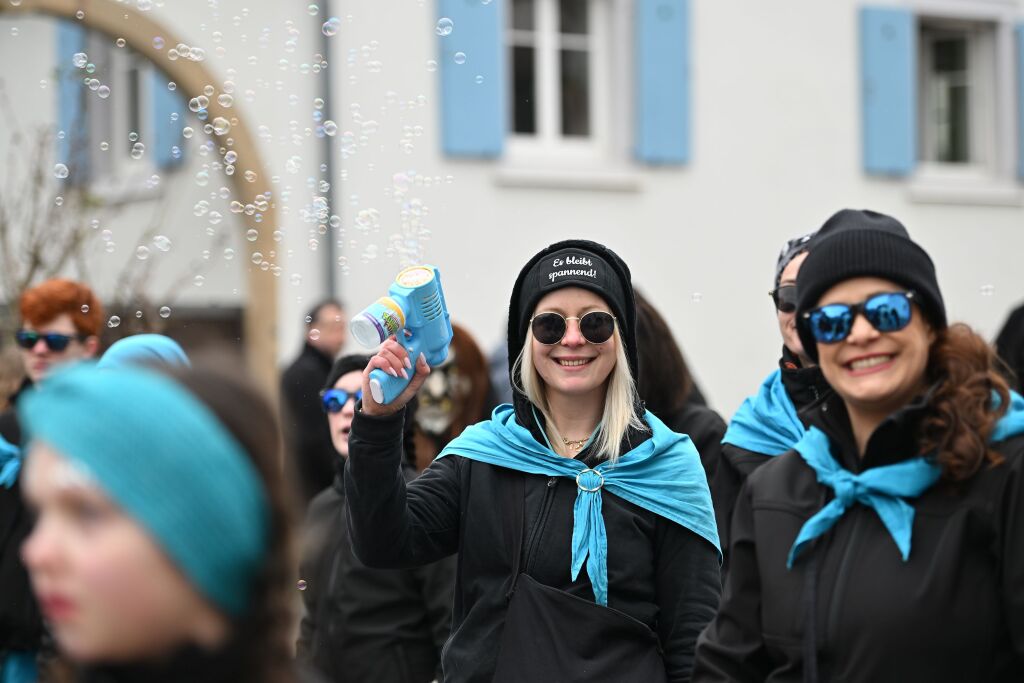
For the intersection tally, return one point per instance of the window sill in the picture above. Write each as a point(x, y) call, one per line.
point(125, 190)
point(567, 178)
point(927, 189)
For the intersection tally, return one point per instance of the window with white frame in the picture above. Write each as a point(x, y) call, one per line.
point(120, 125)
point(557, 86)
point(957, 94)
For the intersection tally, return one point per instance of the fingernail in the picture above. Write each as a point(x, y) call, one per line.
point(422, 357)
point(405, 375)
point(393, 373)
point(408, 363)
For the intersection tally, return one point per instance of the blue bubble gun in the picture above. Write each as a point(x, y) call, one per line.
point(415, 303)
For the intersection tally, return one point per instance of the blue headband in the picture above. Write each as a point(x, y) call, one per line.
point(154, 350)
point(168, 462)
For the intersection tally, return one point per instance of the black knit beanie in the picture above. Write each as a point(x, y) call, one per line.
point(865, 244)
point(573, 263)
point(354, 362)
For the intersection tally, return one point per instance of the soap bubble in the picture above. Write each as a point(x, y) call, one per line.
point(198, 280)
point(257, 257)
point(460, 57)
point(138, 314)
point(60, 171)
point(314, 334)
point(114, 321)
point(431, 65)
point(85, 308)
point(229, 254)
point(330, 128)
point(158, 43)
point(80, 60)
point(988, 290)
point(301, 585)
point(142, 253)
point(444, 26)
point(331, 26)
point(119, 42)
point(221, 126)
point(696, 297)
point(225, 100)
point(165, 312)
point(252, 235)
point(162, 242)
point(138, 149)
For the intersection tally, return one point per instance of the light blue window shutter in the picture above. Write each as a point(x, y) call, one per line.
point(888, 60)
point(168, 121)
point(662, 36)
point(1020, 101)
point(474, 117)
point(72, 148)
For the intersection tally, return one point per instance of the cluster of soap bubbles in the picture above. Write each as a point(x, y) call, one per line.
point(80, 60)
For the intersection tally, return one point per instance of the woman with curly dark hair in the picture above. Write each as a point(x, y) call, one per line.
point(887, 545)
point(162, 549)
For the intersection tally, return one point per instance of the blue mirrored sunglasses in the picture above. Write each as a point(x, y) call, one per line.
point(333, 400)
point(887, 312)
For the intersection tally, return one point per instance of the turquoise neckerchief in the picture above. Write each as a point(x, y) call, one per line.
point(882, 488)
point(10, 463)
point(663, 475)
point(767, 421)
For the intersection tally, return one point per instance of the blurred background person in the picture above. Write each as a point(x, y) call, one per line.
point(173, 567)
point(308, 447)
point(455, 395)
point(1010, 347)
point(768, 423)
point(60, 324)
point(361, 624)
point(12, 376)
point(667, 387)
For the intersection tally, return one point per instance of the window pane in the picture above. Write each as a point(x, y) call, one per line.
point(575, 68)
point(524, 88)
point(134, 103)
point(573, 16)
point(950, 99)
point(522, 15)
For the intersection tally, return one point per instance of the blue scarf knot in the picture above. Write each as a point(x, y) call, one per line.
point(663, 474)
point(10, 463)
point(767, 422)
point(884, 489)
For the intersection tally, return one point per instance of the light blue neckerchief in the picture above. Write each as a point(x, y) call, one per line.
point(882, 488)
point(767, 421)
point(663, 475)
point(10, 463)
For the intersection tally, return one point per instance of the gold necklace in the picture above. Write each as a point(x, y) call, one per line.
point(575, 444)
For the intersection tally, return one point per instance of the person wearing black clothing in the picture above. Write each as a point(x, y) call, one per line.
point(503, 496)
point(772, 417)
point(1010, 347)
point(667, 387)
point(307, 440)
point(361, 624)
point(887, 545)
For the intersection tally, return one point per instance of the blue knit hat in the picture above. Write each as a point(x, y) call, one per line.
point(154, 350)
point(165, 459)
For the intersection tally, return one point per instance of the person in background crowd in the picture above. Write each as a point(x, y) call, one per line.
point(1010, 347)
point(575, 473)
point(168, 568)
point(307, 441)
point(887, 545)
point(145, 350)
point(666, 385)
point(12, 376)
point(768, 423)
point(362, 624)
point(60, 324)
point(453, 397)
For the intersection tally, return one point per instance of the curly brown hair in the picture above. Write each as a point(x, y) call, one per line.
point(962, 413)
point(47, 300)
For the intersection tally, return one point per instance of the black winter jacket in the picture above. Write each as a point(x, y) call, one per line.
point(953, 612)
point(658, 572)
point(805, 387)
point(21, 623)
point(705, 428)
point(307, 436)
point(362, 624)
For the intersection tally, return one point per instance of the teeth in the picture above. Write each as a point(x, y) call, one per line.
point(869, 362)
point(573, 363)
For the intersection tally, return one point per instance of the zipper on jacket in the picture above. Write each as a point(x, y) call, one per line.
point(832, 623)
point(542, 518)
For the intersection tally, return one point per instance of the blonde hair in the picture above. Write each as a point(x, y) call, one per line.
point(620, 400)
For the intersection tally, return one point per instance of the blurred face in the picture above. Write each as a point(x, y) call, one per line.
point(874, 371)
point(787, 321)
point(573, 366)
point(40, 358)
point(341, 421)
point(108, 592)
point(329, 331)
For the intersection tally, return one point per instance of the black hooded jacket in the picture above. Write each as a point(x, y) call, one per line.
point(954, 611)
point(805, 387)
point(659, 572)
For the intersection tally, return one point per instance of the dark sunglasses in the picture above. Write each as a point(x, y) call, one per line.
point(27, 339)
point(596, 327)
point(333, 400)
point(887, 312)
point(784, 298)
